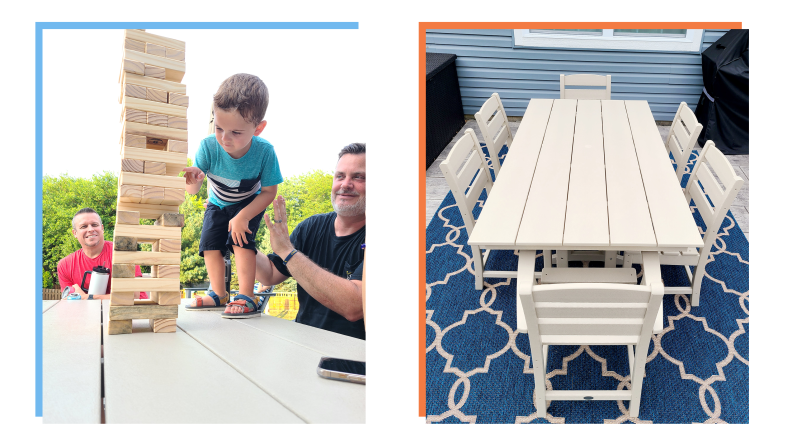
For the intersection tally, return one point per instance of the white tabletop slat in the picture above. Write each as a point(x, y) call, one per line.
point(71, 362)
point(628, 212)
point(172, 378)
point(281, 358)
point(587, 204)
point(500, 219)
point(545, 210)
point(47, 304)
point(673, 222)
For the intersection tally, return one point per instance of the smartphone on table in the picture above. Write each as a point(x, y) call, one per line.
point(342, 370)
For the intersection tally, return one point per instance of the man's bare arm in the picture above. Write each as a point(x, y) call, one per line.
point(341, 295)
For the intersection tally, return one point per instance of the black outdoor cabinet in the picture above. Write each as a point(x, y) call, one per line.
point(444, 116)
point(722, 108)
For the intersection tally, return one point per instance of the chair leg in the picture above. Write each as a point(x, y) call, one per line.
point(636, 378)
point(698, 277)
point(478, 267)
point(538, 357)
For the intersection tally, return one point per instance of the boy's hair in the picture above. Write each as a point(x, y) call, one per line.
point(355, 148)
point(85, 211)
point(244, 93)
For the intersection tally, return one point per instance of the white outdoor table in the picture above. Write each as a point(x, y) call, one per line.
point(215, 370)
point(586, 175)
point(71, 361)
point(47, 304)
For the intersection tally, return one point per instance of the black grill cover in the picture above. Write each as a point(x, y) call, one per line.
point(723, 106)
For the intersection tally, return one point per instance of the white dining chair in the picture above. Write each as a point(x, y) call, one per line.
point(466, 172)
point(585, 80)
point(713, 199)
point(494, 126)
point(682, 136)
point(589, 306)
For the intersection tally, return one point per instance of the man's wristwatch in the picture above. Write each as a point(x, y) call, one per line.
point(90, 297)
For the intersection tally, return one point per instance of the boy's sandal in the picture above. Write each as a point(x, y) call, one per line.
point(201, 307)
point(250, 309)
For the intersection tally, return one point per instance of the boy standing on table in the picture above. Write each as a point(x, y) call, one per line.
point(243, 174)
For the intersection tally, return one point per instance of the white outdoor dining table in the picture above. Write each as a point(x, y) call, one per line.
point(586, 175)
point(212, 370)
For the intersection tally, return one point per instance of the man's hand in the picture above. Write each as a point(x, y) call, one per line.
point(278, 229)
point(193, 175)
point(79, 291)
point(238, 226)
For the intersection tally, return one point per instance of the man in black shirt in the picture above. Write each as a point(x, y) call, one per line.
point(324, 253)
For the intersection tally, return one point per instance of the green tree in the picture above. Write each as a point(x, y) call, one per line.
point(61, 198)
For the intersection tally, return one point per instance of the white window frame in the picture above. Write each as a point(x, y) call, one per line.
point(607, 41)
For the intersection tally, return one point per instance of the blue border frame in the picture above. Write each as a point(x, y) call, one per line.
point(40, 27)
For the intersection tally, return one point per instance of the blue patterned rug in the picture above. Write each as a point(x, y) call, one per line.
point(478, 367)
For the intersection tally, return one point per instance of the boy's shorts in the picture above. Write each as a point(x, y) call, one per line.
point(215, 235)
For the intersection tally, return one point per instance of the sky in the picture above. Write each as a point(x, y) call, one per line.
point(313, 112)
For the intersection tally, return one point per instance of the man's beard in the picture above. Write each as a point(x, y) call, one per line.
point(349, 210)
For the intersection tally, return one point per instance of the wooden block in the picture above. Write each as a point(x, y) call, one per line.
point(130, 194)
point(171, 219)
point(165, 271)
point(152, 195)
point(138, 141)
point(157, 119)
point(163, 325)
point(122, 313)
point(179, 159)
point(122, 298)
point(135, 45)
point(119, 327)
point(155, 131)
point(155, 94)
point(127, 218)
point(178, 99)
point(135, 91)
point(154, 168)
point(154, 71)
point(128, 165)
point(157, 50)
point(154, 106)
point(176, 122)
point(152, 211)
point(123, 271)
point(156, 143)
point(130, 114)
point(167, 245)
point(162, 84)
point(177, 146)
point(133, 66)
point(143, 36)
point(124, 243)
point(174, 69)
point(173, 196)
point(148, 233)
point(142, 179)
point(166, 297)
point(147, 258)
point(173, 53)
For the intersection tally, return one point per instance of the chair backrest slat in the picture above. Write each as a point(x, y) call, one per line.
point(585, 80)
point(591, 292)
point(712, 161)
point(682, 138)
point(713, 190)
point(468, 151)
point(591, 326)
point(701, 202)
point(493, 129)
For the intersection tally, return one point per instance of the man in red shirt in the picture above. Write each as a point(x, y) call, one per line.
point(96, 251)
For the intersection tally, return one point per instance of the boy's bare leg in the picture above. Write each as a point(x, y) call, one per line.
point(246, 272)
point(215, 267)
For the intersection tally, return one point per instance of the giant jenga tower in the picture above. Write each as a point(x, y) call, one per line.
point(153, 152)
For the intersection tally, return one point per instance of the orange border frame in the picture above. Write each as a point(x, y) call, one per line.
point(422, 27)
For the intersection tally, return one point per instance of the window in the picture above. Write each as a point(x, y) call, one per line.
point(676, 40)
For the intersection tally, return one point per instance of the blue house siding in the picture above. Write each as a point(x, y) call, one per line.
point(487, 61)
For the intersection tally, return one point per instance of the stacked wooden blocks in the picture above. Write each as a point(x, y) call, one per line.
point(153, 152)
